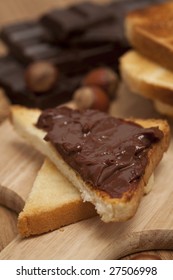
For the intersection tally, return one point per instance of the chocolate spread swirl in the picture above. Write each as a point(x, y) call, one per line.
point(109, 153)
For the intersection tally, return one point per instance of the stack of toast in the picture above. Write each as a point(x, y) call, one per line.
point(148, 68)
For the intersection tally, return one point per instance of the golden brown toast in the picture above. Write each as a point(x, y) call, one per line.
point(109, 208)
point(149, 30)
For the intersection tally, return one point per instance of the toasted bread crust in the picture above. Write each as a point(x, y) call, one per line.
point(149, 30)
point(52, 203)
point(35, 223)
point(38, 223)
point(147, 78)
point(110, 209)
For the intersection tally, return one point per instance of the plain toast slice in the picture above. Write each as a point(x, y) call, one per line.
point(149, 30)
point(148, 79)
point(110, 209)
point(52, 203)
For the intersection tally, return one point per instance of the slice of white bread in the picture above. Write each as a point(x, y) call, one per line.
point(110, 209)
point(149, 30)
point(52, 203)
point(148, 79)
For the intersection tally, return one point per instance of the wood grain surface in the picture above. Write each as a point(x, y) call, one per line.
point(8, 229)
point(14, 187)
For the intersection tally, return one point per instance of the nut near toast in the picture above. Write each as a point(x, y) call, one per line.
point(108, 160)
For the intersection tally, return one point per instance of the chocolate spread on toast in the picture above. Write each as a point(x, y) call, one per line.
point(109, 153)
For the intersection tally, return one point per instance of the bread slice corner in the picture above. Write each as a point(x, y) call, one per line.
point(52, 203)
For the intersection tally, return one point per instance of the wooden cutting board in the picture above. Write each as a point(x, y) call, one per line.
point(150, 228)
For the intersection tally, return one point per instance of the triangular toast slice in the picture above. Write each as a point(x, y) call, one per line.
point(52, 203)
point(110, 207)
point(149, 30)
point(148, 79)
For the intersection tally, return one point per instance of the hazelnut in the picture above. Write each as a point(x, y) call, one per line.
point(146, 256)
point(41, 76)
point(103, 77)
point(91, 98)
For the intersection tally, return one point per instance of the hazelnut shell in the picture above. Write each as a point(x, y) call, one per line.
point(103, 77)
point(41, 76)
point(91, 98)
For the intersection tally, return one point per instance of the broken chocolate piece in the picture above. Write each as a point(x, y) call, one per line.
point(75, 20)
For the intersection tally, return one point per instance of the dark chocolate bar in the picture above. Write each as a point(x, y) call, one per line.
point(28, 52)
point(25, 31)
point(73, 59)
point(75, 20)
point(81, 60)
point(63, 22)
point(69, 60)
point(100, 35)
point(90, 35)
point(83, 17)
point(28, 39)
point(93, 14)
